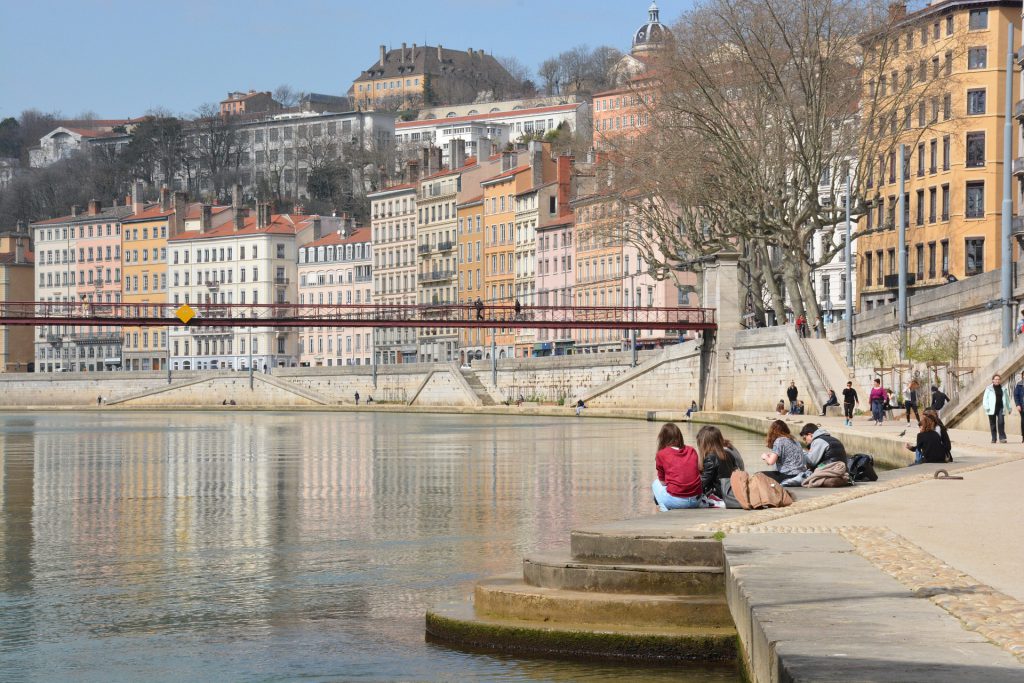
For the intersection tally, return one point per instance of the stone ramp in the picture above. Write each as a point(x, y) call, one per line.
point(810, 375)
point(477, 387)
point(216, 378)
point(808, 608)
point(833, 368)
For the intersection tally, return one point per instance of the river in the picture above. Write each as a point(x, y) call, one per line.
point(267, 546)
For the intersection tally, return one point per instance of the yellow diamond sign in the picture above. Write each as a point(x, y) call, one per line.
point(185, 313)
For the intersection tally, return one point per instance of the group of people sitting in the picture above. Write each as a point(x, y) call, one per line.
point(688, 479)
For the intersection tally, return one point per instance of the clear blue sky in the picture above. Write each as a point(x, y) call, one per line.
point(119, 58)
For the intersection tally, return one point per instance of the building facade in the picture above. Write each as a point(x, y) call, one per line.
point(437, 259)
point(17, 283)
point(393, 227)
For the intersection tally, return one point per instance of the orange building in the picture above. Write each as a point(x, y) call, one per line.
point(470, 213)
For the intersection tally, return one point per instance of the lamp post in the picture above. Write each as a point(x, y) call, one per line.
point(901, 257)
point(848, 294)
point(1006, 280)
point(632, 330)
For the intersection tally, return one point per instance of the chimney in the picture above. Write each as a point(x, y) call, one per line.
point(425, 165)
point(75, 210)
point(165, 198)
point(413, 58)
point(19, 250)
point(412, 171)
point(94, 207)
point(180, 209)
point(236, 196)
point(262, 215)
point(470, 53)
point(205, 218)
point(440, 53)
point(21, 227)
point(508, 161)
point(317, 228)
point(435, 159)
point(402, 60)
point(458, 153)
point(483, 150)
point(897, 11)
point(536, 151)
point(138, 203)
point(383, 54)
point(564, 173)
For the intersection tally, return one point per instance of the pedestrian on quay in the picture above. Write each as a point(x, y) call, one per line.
point(580, 406)
point(1018, 401)
point(831, 401)
point(479, 306)
point(780, 407)
point(678, 485)
point(890, 404)
point(996, 403)
point(850, 400)
point(877, 400)
point(357, 398)
point(939, 400)
point(693, 409)
point(791, 394)
point(801, 322)
point(910, 400)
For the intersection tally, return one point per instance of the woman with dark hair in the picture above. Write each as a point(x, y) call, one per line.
point(877, 399)
point(940, 429)
point(720, 460)
point(929, 446)
point(785, 454)
point(678, 483)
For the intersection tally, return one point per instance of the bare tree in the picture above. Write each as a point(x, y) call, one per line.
point(550, 73)
point(287, 96)
point(217, 148)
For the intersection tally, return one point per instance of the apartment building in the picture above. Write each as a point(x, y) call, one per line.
point(556, 279)
point(250, 261)
point(437, 259)
point(599, 267)
point(78, 262)
point(16, 284)
point(952, 67)
point(252, 102)
point(393, 227)
point(470, 208)
point(336, 270)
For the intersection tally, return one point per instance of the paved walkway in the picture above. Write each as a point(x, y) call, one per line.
point(958, 542)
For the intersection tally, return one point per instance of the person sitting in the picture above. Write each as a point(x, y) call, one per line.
point(678, 484)
point(369, 400)
point(719, 460)
point(692, 409)
point(580, 405)
point(825, 449)
point(929, 446)
point(942, 431)
point(786, 455)
point(780, 407)
point(801, 409)
point(832, 401)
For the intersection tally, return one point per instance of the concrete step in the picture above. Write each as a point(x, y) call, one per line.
point(563, 572)
point(509, 597)
point(478, 387)
point(644, 548)
point(458, 625)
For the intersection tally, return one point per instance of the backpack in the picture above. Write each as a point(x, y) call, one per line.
point(758, 491)
point(862, 468)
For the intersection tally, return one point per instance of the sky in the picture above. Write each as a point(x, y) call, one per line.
point(120, 58)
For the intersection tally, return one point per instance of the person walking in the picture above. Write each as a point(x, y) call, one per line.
point(939, 399)
point(518, 308)
point(479, 306)
point(357, 398)
point(791, 394)
point(850, 400)
point(996, 403)
point(1018, 401)
point(877, 400)
point(910, 400)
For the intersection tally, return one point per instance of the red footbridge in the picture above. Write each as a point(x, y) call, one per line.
point(366, 315)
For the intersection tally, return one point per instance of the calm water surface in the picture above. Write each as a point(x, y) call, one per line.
point(284, 546)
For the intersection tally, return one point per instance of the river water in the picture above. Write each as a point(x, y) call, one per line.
point(261, 546)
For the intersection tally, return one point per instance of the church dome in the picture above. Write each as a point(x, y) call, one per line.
point(652, 34)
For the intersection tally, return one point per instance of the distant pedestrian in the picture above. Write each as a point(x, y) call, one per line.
point(996, 403)
point(99, 400)
point(850, 400)
point(791, 393)
point(1018, 401)
point(877, 400)
point(939, 400)
point(357, 398)
point(479, 306)
point(911, 399)
point(518, 308)
point(693, 409)
point(889, 404)
point(1020, 323)
point(800, 323)
point(580, 405)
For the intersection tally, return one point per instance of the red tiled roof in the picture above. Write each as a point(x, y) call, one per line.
point(486, 117)
point(280, 224)
point(507, 174)
point(358, 235)
point(193, 212)
point(7, 258)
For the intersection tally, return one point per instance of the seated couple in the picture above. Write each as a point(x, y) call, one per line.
point(792, 464)
point(687, 479)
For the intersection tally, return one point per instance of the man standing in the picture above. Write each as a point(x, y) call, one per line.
point(357, 398)
point(1018, 400)
point(791, 394)
point(850, 400)
point(939, 399)
point(996, 403)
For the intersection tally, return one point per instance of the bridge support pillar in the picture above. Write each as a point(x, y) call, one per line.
point(721, 291)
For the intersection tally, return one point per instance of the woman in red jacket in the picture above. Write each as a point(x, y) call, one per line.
point(678, 484)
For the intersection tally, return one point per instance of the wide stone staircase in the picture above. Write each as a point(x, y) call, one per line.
point(478, 387)
point(630, 590)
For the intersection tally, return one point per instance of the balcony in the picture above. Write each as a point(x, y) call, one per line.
point(893, 281)
point(1018, 166)
point(1018, 109)
point(445, 246)
point(281, 281)
point(94, 338)
point(423, 249)
point(437, 276)
point(213, 285)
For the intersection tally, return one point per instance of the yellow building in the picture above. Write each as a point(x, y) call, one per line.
point(16, 284)
point(943, 97)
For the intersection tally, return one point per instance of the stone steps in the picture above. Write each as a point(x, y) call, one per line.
point(564, 572)
point(478, 388)
point(459, 625)
point(511, 598)
point(646, 548)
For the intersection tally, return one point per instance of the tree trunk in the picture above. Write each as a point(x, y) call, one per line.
point(778, 303)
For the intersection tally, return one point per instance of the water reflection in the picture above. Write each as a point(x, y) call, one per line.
point(273, 546)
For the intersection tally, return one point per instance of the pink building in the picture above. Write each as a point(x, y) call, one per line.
point(555, 279)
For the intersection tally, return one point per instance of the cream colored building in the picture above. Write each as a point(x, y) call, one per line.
point(393, 228)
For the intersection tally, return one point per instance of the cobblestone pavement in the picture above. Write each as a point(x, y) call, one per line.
point(979, 607)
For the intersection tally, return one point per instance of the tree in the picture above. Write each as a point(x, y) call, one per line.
point(10, 138)
point(579, 70)
point(157, 147)
point(217, 148)
point(287, 96)
point(550, 72)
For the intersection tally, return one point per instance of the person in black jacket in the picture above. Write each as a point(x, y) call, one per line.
point(791, 394)
point(719, 459)
point(939, 399)
point(943, 432)
point(929, 447)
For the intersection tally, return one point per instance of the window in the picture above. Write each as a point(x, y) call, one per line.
point(977, 58)
point(975, 200)
point(974, 255)
point(280, 251)
point(931, 260)
point(920, 207)
point(945, 202)
point(945, 153)
point(920, 160)
point(892, 262)
point(975, 102)
point(949, 24)
point(945, 257)
point(933, 147)
point(975, 150)
point(931, 204)
point(920, 261)
point(978, 19)
point(867, 261)
point(947, 107)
